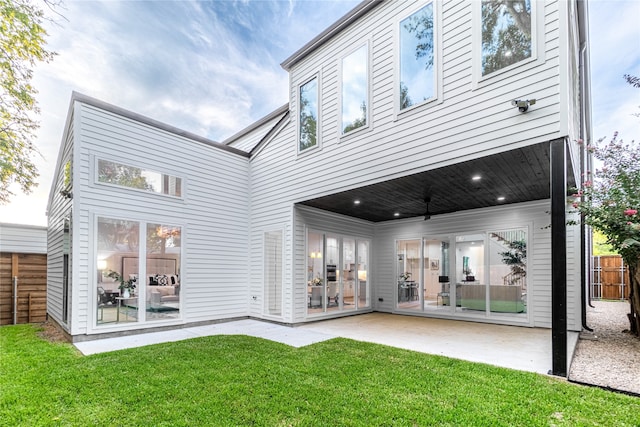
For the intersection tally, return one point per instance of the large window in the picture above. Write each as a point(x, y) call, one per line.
point(308, 124)
point(355, 89)
point(417, 59)
point(141, 179)
point(506, 33)
point(127, 290)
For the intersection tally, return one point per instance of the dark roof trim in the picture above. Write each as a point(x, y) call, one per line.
point(327, 34)
point(272, 132)
point(257, 124)
point(79, 97)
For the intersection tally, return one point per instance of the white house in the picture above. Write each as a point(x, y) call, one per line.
point(420, 167)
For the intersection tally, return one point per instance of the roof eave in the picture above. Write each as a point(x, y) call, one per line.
point(330, 32)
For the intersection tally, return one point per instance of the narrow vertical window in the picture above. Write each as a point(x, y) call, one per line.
point(308, 114)
point(355, 91)
point(417, 58)
point(506, 33)
point(273, 273)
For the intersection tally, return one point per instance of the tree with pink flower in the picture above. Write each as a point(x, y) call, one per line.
point(609, 201)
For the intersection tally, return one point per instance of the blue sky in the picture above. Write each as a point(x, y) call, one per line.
point(213, 68)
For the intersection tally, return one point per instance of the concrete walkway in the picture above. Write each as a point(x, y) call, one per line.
point(526, 349)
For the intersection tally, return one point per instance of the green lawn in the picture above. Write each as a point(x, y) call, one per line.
point(238, 380)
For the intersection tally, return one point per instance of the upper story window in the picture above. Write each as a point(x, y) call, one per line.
point(506, 33)
point(141, 179)
point(308, 124)
point(355, 90)
point(417, 59)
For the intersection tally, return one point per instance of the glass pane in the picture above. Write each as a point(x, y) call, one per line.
point(508, 271)
point(349, 274)
point(309, 114)
point(162, 278)
point(132, 177)
point(117, 275)
point(470, 270)
point(435, 274)
point(334, 290)
point(363, 268)
point(315, 273)
point(506, 33)
point(273, 272)
point(354, 90)
point(416, 58)
point(408, 269)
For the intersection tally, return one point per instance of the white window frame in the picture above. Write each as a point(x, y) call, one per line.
point(92, 320)
point(96, 181)
point(318, 145)
point(437, 61)
point(537, 46)
point(369, 125)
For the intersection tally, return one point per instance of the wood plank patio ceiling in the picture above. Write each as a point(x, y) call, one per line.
point(518, 175)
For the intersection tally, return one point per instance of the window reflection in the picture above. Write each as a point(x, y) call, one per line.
point(416, 57)
point(354, 90)
point(309, 114)
point(141, 179)
point(506, 33)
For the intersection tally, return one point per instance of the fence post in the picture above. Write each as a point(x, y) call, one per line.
point(15, 300)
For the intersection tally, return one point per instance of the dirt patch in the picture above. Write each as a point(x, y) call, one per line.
point(51, 332)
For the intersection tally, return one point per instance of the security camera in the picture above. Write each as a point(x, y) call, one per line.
point(523, 105)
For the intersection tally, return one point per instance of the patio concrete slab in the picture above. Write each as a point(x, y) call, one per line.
point(294, 337)
point(526, 349)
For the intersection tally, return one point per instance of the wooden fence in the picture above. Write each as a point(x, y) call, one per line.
point(29, 273)
point(609, 278)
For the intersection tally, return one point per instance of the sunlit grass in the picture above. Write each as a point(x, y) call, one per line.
point(239, 380)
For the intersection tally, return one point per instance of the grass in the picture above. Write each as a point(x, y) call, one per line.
point(239, 380)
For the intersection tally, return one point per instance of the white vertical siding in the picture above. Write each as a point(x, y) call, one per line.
point(213, 211)
point(25, 239)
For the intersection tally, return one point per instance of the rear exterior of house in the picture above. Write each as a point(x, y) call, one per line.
point(399, 178)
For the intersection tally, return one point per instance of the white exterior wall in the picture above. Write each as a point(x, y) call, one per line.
point(213, 213)
point(23, 239)
point(58, 209)
point(469, 120)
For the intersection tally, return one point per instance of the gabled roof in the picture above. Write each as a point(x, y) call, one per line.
point(330, 32)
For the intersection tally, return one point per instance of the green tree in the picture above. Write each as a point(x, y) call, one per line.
point(405, 99)
point(22, 41)
point(610, 201)
point(119, 174)
point(506, 33)
point(360, 121)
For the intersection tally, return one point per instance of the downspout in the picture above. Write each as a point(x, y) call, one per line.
point(585, 259)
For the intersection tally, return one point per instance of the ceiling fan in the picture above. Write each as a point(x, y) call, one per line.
point(426, 213)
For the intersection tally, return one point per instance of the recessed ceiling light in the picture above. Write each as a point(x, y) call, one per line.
point(356, 202)
point(396, 214)
point(501, 198)
point(476, 178)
